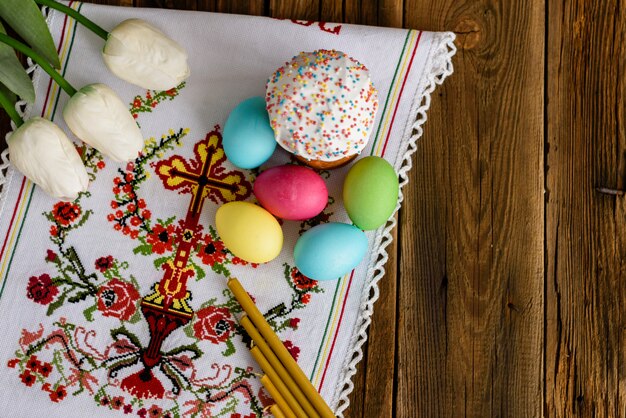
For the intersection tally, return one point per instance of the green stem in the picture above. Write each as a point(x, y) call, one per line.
point(74, 14)
point(9, 107)
point(58, 78)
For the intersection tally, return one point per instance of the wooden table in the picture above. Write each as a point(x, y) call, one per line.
point(504, 290)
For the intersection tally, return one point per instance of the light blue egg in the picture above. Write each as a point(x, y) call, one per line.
point(329, 251)
point(248, 138)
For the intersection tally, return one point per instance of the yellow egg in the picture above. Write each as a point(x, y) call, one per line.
point(249, 231)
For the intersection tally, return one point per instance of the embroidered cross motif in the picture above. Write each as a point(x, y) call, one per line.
point(204, 176)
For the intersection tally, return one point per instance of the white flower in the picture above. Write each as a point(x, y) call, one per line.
point(42, 152)
point(139, 53)
point(99, 117)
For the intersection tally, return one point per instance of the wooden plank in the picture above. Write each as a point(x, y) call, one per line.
point(247, 7)
point(390, 13)
point(586, 230)
point(176, 4)
point(471, 267)
point(331, 11)
point(356, 408)
point(296, 9)
point(380, 13)
point(360, 11)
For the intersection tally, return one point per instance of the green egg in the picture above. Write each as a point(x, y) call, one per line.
point(370, 192)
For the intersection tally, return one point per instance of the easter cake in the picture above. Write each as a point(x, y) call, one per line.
point(322, 106)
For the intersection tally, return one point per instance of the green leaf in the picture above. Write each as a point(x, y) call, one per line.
point(173, 375)
point(200, 274)
point(89, 312)
point(79, 296)
point(160, 261)
point(56, 304)
point(8, 93)
point(7, 102)
point(143, 249)
point(277, 310)
point(188, 330)
point(13, 75)
point(135, 318)
point(115, 333)
point(192, 350)
point(230, 350)
point(220, 269)
point(26, 19)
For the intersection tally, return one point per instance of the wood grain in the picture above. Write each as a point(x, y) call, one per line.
point(470, 323)
point(585, 230)
point(296, 9)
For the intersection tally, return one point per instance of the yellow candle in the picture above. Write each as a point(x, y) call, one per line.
point(278, 348)
point(275, 394)
point(275, 410)
point(273, 376)
point(278, 367)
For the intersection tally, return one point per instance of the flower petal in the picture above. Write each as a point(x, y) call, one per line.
point(139, 53)
point(44, 154)
point(98, 116)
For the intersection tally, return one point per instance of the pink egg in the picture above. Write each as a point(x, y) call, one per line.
point(291, 192)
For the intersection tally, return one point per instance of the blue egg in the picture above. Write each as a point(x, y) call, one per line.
point(248, 138)
point(329, 251)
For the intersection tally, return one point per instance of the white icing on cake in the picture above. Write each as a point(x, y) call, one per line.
point(322, 105)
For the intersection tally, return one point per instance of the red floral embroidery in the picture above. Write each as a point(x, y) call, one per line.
point(28, 378)
point(161, 238)
point(58, 394)
point(118, 299)
point(45, 369)
point(65, 213)
point(212, 251)
point(293, 322)
point(213, 324)
point(33, 363)
point(326, 27)
point(236, 260)
point(294, 350)
point(155, 412)
point(104, 263)
point(306, 298)
point(41, 289)
point(301, 281)
point(117, 402)
point(143, 385)
point(51, 256)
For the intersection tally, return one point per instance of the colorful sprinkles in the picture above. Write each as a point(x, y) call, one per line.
point(322, 105)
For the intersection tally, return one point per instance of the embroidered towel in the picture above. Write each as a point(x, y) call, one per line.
point(79, 294)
